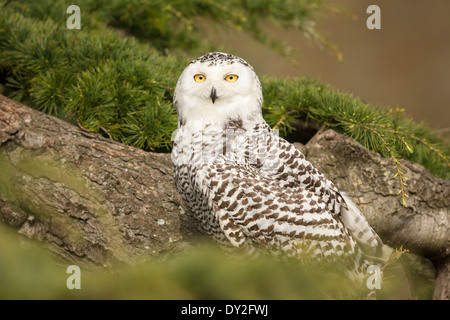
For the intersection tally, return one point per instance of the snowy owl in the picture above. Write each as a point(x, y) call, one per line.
point(246, 186)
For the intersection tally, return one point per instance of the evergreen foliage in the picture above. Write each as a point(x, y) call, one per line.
point(173, 24)
point(386, 131)
point(105, 83)
point(122, 86)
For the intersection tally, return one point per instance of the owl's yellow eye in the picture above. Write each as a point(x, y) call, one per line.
point(231, 78)
point(199, 77)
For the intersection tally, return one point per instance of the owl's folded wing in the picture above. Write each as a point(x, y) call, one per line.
point(294, 171)
point(250, 206)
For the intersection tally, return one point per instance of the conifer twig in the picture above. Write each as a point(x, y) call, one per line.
point(107, 132)
point(283, 117)
point(399, 174)
point(81, 126)
point(395, 133)
point(412, 136)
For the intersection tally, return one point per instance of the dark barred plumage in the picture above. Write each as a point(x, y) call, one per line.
point(249, 188)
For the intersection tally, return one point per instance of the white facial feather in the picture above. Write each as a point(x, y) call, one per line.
point(240, 99)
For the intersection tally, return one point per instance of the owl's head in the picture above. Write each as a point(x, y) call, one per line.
point(218, 87)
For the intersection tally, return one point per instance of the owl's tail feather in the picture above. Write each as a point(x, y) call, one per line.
point(360, 229)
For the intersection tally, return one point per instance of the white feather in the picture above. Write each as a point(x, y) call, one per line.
point(358, 225)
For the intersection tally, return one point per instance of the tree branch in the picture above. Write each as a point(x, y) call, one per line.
point(93, 200)
point(422, 226)
point(87, 197)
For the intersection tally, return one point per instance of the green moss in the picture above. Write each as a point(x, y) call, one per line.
point(28, 272)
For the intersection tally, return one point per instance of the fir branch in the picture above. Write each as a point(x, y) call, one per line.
point(412, 136)
point(81, 126)
point(395, 133)
point(283, 118)
point(323, 105)
point(399, 173)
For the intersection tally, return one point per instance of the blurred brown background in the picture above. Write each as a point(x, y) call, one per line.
point(406, 64)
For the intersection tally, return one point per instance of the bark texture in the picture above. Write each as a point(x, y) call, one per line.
point(421, 227)
point(95, 200)
point(89, 198)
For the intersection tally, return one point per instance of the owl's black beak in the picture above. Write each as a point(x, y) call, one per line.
point(213, 95)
